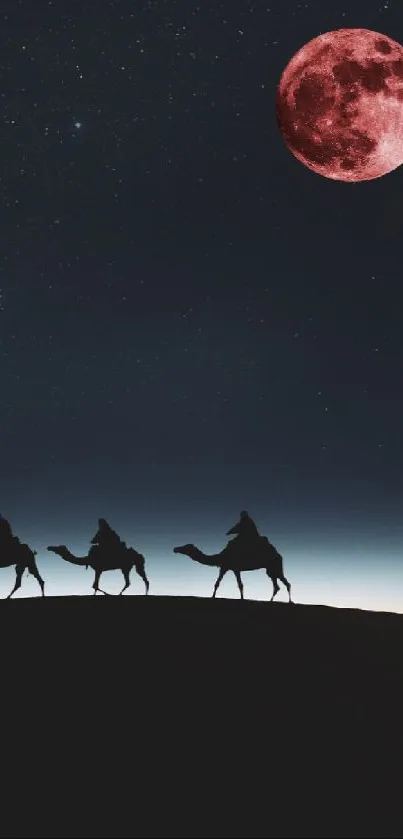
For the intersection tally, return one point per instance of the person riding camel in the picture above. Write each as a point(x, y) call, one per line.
point(6, 534)
point(245, 528)
point(7, 538)
point(106, 540)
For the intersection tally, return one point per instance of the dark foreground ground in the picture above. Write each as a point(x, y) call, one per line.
point(174, 717)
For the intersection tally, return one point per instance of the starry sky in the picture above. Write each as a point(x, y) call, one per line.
point(191, 321)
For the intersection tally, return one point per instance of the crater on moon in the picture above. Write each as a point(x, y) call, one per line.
point(340, 104)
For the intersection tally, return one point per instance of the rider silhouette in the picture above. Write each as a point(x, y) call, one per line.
point(6, 534)
point(106, 539)
point(7, 538)
point(245, 528)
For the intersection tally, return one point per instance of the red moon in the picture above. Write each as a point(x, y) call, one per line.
point(339, 105)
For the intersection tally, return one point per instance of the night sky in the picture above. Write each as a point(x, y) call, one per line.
point(191, 321)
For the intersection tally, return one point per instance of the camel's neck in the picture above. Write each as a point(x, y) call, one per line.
point(76, 560)
point(205, 559)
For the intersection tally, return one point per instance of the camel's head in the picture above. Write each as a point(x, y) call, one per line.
point(184, 549)
point(56, 549)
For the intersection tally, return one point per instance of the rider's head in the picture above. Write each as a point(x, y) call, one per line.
point(244, 513)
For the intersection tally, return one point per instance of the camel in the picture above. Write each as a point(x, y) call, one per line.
point(237, 558)
point(128, 559)
point(23, 557)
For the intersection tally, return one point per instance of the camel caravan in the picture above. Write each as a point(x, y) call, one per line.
point(248, 551)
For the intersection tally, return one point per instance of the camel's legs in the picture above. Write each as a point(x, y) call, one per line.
point(33, 569)
point(126, 575)
point(276, 586)
point(143, 576)
point(95, 584)
point(19, 570)
point(219, 578)
point(239, 581)
point(288, 587)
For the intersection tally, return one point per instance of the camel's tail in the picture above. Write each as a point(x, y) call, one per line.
point(32, 568)
point(140, 562)
point(278, 559)
point(137, 560)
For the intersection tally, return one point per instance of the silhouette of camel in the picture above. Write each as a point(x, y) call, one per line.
point(127, 559)
point(23, 557)
point(235, 558)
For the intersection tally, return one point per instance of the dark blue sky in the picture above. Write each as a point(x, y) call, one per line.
point(191, 321)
